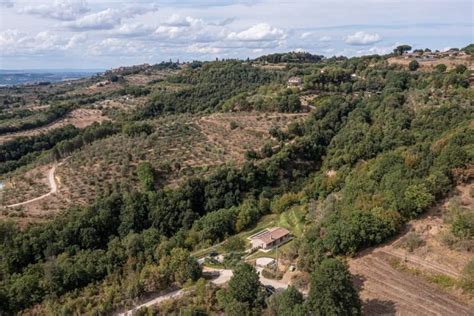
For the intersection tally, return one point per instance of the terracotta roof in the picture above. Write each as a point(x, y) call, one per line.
point(272, 234)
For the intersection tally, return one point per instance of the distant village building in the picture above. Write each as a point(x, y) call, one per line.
point(294, 82)
point(269, 238)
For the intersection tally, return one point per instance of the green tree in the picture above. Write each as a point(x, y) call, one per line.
point(146, 175)
point(286, 303)
point(182, 266)
point(244, 286)
point(413, 65)
point(399, 50)
point(440, 68)
point(417, 198)
point(332, 292)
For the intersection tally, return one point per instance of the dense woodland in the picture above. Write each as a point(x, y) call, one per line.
point(380, 146)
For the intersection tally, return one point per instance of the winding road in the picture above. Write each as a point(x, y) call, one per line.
point(223, 277)
point(52, 185)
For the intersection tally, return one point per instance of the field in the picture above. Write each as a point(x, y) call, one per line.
point(428, 65)
point(80, 118)
point(394, 280)
point(181, 146)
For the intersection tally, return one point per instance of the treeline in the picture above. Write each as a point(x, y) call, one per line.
point(23, 150)
point(49, 116)
point(88, 135)
point(290, 57)
point(61, 142)
point(211, 85)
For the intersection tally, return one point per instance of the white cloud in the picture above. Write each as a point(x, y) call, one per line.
point(75, 41)
point(133, 30)
point(177, 20)
point(119, 47)
point(257, 33)
point(362, 38)
point(203, 49)
point(325, 38)
point(187, 30)
point(306, 35)
point(15, 42)
point(65, 10)
point(107, 19)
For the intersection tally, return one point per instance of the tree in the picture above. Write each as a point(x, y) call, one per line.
point(182, 266)
point(244, 286)
point(332, 292)
point(460, 69)
point(146, 175)
point(399, 50)
point(286, 303)
point(440, 68)
point(413, 65)
point(416, 199)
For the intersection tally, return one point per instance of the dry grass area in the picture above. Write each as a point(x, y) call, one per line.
point(429, 65)
point(418, 281)
point(120, 103)
point(181, 146)
point(80, 118)
point(23, 187)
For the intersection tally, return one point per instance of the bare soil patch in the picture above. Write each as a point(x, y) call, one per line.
point(80, 118)
point(428, 65)
point(385, 289)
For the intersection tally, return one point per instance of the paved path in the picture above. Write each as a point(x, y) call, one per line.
point(52, 184)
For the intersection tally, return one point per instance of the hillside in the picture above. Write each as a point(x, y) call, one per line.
point(110, 183)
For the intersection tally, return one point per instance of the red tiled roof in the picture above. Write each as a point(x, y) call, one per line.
point(272, 235)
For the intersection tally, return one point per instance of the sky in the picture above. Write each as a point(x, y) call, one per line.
point(102, 34)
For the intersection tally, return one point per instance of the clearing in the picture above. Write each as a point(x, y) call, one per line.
point(393, 280)
point(428, 65)
point(80, 118)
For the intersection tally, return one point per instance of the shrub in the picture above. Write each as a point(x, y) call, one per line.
point(234, 243)
point(284, 202)
point(463, 226)
point(413, 65)
point(412, 241)
point(270, 274)
point(467, 280)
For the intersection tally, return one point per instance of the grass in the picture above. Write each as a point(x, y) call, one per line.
point(440, 280)
point(293, 220)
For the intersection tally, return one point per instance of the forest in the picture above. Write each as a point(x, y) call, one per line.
point(395, 141)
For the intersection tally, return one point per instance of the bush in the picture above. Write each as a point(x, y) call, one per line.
point(270, 274)
point(412, 241)
point(284, 202)
point(463, 226)
point(233, 125)
point(234, 243)
point(467, 280)
point(413, 65)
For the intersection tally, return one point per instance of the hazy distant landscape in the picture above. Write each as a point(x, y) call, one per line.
point(20, 77)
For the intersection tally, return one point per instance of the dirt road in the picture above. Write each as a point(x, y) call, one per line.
point(157, 300)
point(223, 277)
point(52, 184)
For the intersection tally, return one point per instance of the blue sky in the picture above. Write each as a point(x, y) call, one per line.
point(108, 33)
